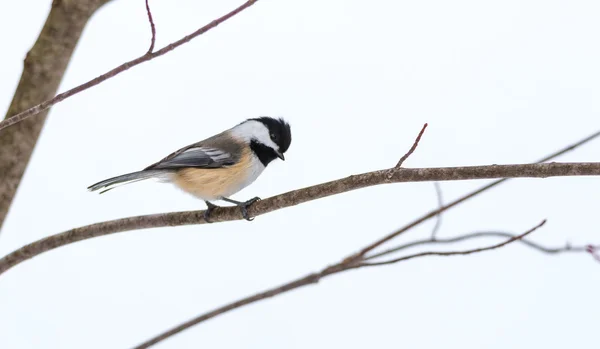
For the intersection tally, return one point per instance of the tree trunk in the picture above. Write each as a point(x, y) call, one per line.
point(43, 69)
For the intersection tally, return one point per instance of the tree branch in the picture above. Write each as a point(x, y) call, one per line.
point(453, 253)
point(473, 236)
point(43, 70)
point(222, 214)
point(307, 280)
point(426, 242)
point(466, 197)
point(123, 67)
point(303, 195)
point(440, 201)
point(152, 29)
point(470, 195)
point(543, 170)
point(312, 279)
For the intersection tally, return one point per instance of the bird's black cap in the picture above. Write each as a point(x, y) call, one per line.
point(279, 130)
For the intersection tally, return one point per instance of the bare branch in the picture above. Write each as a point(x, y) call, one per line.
point(473, 236)
point(454, 253)
point(389, 237)
point(299, 196)
point(468, 196)
point(440, 201)
point(593, 250)
point(152, 29)
point(123, 67)
point(196, 217)
point(412, 149)
point(308, 280)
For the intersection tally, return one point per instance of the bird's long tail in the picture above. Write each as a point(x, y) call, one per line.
point(128, 178)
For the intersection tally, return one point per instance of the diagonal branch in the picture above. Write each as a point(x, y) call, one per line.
point(473, 236)
point(308, 280)
point(454, 253)
point(123, 67)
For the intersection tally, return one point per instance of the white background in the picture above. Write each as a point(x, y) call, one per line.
point(498, 82)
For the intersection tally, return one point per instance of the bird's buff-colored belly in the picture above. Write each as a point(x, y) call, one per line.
point(213, 184)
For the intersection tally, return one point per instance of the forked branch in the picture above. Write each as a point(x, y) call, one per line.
point(485, 234)
point(451, 253)
point(149, 55)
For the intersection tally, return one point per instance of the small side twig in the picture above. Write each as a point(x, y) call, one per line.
point(358, 257)
point(454, 253)
point(593, 250)
point(438, 217)
point(474, 236)
point(152, 29)
point(412, 149)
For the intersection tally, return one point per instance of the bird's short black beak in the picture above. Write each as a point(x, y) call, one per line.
point(280, 155)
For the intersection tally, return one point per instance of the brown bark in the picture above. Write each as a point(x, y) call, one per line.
point(43, 69)
point(296, 197)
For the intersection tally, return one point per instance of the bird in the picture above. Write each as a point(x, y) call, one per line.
point(219, 166)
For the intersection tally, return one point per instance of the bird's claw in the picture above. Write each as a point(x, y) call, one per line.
point(244, 208)
point(209, 208)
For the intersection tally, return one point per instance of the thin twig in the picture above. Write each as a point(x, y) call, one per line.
point(304, 281)
point(412, 149)
point(454, 253)
point(123, 67)
point(474, 236)
point(593, 251)
point(438, 217)
point(391, 172)
point(152, 29)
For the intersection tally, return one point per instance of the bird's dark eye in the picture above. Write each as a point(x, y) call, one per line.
point(273, 137)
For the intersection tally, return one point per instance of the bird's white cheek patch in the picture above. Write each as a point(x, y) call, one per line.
point(254, 130)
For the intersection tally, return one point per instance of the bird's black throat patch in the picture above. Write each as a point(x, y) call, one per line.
point(264, 153)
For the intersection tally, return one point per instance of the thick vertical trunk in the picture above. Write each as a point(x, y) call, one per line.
point(43, 69)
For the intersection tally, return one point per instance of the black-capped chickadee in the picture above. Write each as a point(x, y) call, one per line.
point(219, 166)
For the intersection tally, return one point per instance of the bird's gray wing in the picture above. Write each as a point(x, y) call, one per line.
point(195, 156)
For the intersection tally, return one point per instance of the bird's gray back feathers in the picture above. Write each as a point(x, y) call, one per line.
point(214, 152)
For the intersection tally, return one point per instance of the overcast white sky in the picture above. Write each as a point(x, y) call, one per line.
point(497, 81)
